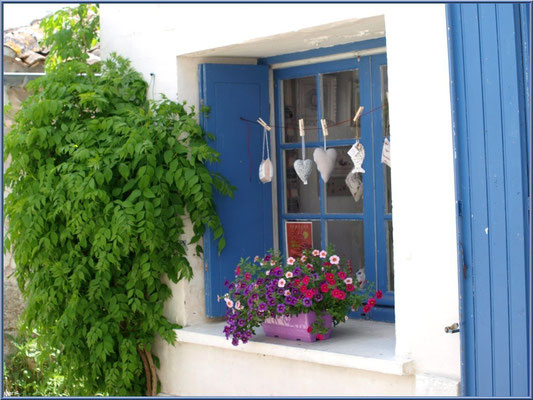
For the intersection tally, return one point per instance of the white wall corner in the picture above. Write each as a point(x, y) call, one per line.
point(433, 385)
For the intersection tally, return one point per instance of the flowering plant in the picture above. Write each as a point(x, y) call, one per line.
point(317, 281)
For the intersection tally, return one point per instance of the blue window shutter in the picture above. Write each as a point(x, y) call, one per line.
point(232, 92)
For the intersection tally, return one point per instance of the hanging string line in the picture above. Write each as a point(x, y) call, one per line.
point(317, 128)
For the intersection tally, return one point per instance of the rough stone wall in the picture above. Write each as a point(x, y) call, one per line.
point(13, 302)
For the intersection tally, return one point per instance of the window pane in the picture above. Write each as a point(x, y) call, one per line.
point(386, 183)
point(299, 101)
point(300, 198)
point(349, 241)
point(296, 238)
point(390, 258)
point(340, 94)
point(339, 198)
point(384, 100)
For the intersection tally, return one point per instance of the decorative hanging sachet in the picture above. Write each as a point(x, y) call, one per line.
point(265, 168)
point(325, 159)
point(303, 167)
point(357, 152)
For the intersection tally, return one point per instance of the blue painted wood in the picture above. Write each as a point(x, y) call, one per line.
point(490, 138)
point(377, 62)
point(232, 92)
point(325, 51)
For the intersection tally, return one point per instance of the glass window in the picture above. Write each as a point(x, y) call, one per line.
point(299, 101)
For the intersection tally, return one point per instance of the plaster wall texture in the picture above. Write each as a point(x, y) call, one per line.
point(270, 376)
point(158, 38)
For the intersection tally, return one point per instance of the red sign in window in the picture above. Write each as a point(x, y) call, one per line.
point(299, 237)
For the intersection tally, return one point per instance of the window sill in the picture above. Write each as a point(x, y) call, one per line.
point(357, 344)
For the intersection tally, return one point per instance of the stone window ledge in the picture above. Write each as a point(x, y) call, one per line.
point(357, 344)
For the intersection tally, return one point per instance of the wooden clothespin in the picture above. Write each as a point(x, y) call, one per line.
point(358, 113)
point(263, 124)
point(357, 127)
point(324, 127)
point(301, 124)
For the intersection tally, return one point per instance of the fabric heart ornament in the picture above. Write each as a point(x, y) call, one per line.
point(303, 169)
point(325, 162)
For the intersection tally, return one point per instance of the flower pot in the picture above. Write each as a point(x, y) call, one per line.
point(294, 327)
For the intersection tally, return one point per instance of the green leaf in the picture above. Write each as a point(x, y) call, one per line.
point(124, 170)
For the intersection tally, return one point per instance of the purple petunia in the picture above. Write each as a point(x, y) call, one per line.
point(295, 292)
point(297, 271)
point(260, 281)
point(280, 291)
point(280, 309)
point(262, 307)
point(307, 302)
point(271, 302)
point(318, 297)
point(250, 302)
point(255, 296)
point(278, 272)
point(235, 341)
point(267, 257)
point(241, 322)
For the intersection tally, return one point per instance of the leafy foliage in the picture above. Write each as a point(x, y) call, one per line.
point(102, 182)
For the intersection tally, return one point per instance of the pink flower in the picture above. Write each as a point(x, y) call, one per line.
point(290, 260)
point(247, 276)
point(238, 270)
point(288, 274)
point(315, 252)
point(303, 258)
point(268, 272)
point(305, 280)
point(341, 275)
point(324, 287)
point(371, 302)
point(366, 309)
point(323, 254)
point(329, 276)
point(256, 258)
point(238, 305)
point(287, 292)
point(310, 267)
point(229, 303)
point(379, 294)
point(309, 294)
point(350, 287)
point(349, 281)
point(282, 282)
point(272, 263)
point(320, 337)
point(309, 329)
point(334, 259)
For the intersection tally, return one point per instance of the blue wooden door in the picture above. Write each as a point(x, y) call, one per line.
point(232, 92)
point(490, 103)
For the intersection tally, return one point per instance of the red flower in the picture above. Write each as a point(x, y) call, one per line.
point(326, 264)
point(331, 282)
point(371, 302)
point(335, 293)
point(310, 267)
point(315, 290)
point(296, 282)
point(309, 294)
point(303, 288)
point(320, 337)
point(341, 295)
point(309, 329)
point(329, 276)
point(350, 287)
point(238, 270)
point(341, 275)
point(379, 294)
point(305, 280)
point(247, 276)
point(366, 308)
point(324, 287)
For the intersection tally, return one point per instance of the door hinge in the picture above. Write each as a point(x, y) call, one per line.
point(453, 328)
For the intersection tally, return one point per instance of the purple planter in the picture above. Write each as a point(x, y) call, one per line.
point(295, 327)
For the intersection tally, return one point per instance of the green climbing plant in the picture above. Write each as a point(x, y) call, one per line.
point(102, 182)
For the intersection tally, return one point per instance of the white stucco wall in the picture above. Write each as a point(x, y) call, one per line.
point(425, 257)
